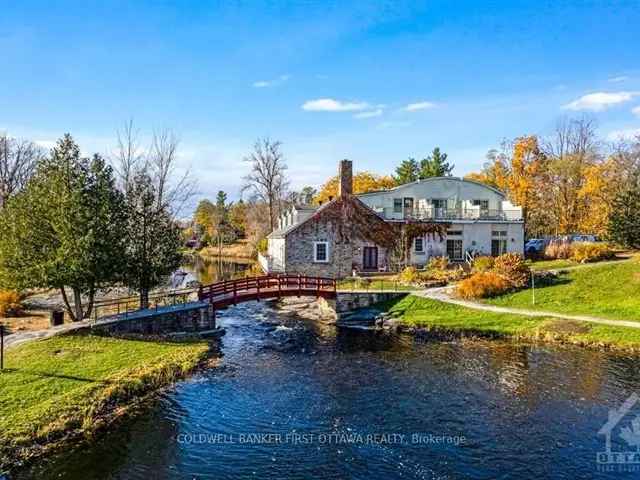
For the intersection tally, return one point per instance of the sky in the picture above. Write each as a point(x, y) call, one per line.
point(375, 82)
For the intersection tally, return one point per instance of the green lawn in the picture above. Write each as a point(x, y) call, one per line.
point(70, 384)
point(423, 312)
point(609, 291)
point(552, 264)
point(372, 285)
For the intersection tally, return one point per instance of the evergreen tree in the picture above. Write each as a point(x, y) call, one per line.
point(65, 229)
point(408, 171)
point(152, 239)
point(624, 221)
point(435, 165)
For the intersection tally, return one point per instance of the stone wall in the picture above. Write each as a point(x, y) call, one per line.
point(349, 301)
point(343, 256)
point(192, 317)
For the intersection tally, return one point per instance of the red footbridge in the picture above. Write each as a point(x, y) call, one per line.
point(231, 292)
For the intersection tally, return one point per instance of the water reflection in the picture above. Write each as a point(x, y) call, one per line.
point(212, 269)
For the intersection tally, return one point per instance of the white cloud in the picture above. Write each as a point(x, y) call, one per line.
point(600, 101)
point(619, 79)
point(636, 110)
point(370, 114)
point(331, 105)
point(626, 134)
point(413, 107)
point(271, 83)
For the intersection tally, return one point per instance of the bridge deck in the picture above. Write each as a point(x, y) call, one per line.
point(230, 292)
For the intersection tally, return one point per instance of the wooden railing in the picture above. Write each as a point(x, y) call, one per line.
point(249, 288)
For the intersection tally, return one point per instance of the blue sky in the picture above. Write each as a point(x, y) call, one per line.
point(375, 82)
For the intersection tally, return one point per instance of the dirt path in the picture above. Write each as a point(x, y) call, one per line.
point(442, 295)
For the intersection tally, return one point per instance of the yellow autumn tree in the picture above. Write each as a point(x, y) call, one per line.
point(362, 182)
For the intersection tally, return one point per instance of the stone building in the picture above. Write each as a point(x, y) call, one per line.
point(368, 232)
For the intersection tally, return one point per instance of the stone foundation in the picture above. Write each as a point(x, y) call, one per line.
point(349, 301)
point(195, 317)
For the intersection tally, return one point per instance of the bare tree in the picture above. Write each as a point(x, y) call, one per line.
point(571, 149)
point(267, 179)
point(129, 157)
point(159, 162)
point(18, 159)
point(173, 191)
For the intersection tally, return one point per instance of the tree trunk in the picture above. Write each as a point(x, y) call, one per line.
point(70, 312)
point(77, 304)
point(87, 314)
point(144, 298)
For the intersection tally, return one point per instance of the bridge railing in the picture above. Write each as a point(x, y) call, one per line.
point(270, 283)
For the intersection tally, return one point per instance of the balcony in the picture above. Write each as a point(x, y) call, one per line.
point(446, 214)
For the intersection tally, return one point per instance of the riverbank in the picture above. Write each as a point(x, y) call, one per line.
point(240, 249)
point(424, 316)
point(62, 391)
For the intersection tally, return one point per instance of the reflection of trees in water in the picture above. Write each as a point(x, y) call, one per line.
point(209, 270)
point(535, 373)
point(117, 454)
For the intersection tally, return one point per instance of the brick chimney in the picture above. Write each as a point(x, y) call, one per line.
point(345, 178)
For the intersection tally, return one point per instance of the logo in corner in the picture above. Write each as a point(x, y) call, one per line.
point(623, 423)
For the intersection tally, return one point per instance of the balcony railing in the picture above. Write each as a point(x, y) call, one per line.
point(463, 214)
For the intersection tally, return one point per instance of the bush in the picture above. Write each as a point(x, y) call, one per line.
point(583, 252)
point(482, 264)
point(10, 303)
point(262, 246)
point(409, 276)
point(483, 285)
point(438, 263)
point(558, 249)
point(512, 267)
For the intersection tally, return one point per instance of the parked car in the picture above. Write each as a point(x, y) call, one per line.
point(584, 238)
point(535, 246)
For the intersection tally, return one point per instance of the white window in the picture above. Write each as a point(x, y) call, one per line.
point(321, 252)
point(397, 205)
point(483, 204)
point(419, 245)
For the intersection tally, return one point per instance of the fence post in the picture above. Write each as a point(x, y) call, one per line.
point(235, 293)
point(299, 284)
point(1, 346)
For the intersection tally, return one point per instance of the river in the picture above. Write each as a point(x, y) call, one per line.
point(300, 399)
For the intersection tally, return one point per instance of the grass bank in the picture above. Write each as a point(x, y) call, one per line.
point(611, 291)
point(240, 249)
point(417, 313)
point(372, 284)
point(63, 390)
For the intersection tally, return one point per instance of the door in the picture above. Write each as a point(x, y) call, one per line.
point(370, 258)
point(408, 207)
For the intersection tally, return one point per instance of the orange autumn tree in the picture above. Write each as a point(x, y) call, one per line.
point(362, 182)
point(519, 171)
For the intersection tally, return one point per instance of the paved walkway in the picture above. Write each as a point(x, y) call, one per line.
point(442, 295)
point(19, 338)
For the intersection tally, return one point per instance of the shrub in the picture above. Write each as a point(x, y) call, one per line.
point(438, 263)
point(409, 276)
point(483, 285)
point(10, 303)
point(262, 246)
point(558, 249)
point(482, 264)
point(584, 252)
point(513, 268)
